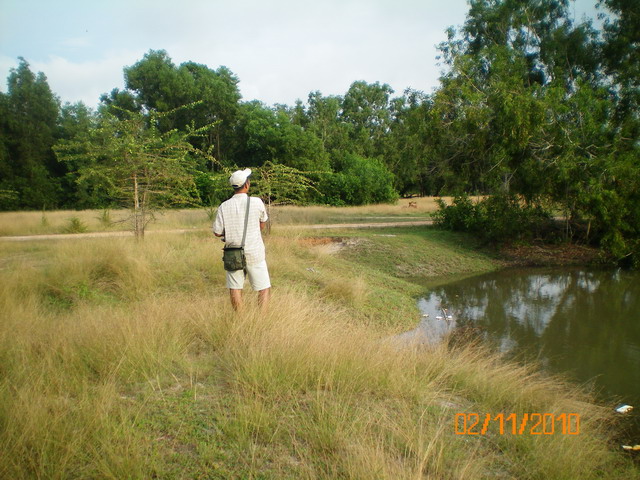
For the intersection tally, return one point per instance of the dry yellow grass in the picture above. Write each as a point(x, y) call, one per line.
point(125, 360)
point(40, 223)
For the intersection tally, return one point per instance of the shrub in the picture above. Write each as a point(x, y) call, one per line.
point(504, 218)
point(105, 218)
point(462, 215)
point(499, 218)
point(75, 225)
point(358, 181)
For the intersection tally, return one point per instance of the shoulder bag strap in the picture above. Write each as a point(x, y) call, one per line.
point(246, 221)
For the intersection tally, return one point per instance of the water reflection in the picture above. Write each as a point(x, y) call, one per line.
point(584, 324)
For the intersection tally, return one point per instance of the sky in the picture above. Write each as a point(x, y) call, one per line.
point(281, 50)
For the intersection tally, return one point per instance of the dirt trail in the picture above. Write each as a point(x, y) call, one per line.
point(361, 225)
point(62, 236)
point(328, 226)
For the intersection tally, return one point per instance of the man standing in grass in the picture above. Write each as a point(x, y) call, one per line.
point(230, 224)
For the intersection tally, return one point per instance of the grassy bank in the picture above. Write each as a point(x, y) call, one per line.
point(124, 360)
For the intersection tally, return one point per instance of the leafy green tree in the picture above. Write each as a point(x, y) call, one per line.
point(526, 109)
point(298, 114)
point(409, 145)
point(155, 83)
point(76, 121)
point(28, 126)
point(118, 102)
point(268, 135)
point(540, 30)
point(326, 123)
point(621, 51)
point(365, 107)
point(9, 197)
point(513, 69)
point(219, 97)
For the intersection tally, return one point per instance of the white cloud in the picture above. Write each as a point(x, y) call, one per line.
point(281, 54)
point(86, 81)
point(76, 42)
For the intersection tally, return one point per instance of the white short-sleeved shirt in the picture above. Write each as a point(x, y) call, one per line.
point(230, 222)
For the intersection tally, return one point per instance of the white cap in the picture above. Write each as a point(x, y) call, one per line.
point(239, 177)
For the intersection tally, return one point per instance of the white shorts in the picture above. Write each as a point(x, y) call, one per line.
point(258, 277)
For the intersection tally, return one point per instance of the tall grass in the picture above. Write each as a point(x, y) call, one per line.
point(121, 360)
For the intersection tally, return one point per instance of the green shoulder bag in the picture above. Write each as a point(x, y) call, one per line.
point(233, 257)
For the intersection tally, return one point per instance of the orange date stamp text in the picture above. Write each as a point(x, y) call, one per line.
point(517, 424)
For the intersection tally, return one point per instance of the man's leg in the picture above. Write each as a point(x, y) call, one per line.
point(236, 299)
point(235, 283)
point(260, 282)
point(263, 299)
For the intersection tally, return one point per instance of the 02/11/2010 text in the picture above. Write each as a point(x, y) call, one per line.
point(517, 424)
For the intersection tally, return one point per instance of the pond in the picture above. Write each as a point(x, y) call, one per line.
point(582, 324)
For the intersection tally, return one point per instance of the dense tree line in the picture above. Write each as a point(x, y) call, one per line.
point(532, 106)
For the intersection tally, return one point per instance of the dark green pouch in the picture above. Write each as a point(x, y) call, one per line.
point(233, 258)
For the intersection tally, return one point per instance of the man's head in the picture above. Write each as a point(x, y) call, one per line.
point(240, 179)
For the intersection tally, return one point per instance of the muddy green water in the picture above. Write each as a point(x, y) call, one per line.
point(582, 324)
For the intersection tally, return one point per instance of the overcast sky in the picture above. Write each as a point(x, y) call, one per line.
point(280, 49)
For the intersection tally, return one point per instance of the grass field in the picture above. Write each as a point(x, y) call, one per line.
point(124, 360)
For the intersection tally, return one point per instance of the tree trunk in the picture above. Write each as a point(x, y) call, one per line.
point(138, 222)
point(217, 144)
point(268, 226)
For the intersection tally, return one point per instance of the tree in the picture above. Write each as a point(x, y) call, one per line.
point(326, 123)
point(268, 135)
point(621, 51)
point(75, 122)
point(513, 69)
point(409, 145)
point(136, 163)
point(540, 30)
point(526, 109)
point(118, 102)
point(28, 125)
point(218, 92)
point(155, 83)
point(279, 184)
point(365, 108)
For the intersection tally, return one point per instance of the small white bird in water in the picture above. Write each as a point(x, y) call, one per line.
point(629, 447)
point(624, 408)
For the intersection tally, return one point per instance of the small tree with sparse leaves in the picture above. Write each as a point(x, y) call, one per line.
point(139, 166)
point(279, 184)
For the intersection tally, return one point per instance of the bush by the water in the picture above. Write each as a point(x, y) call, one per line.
point(498, 218)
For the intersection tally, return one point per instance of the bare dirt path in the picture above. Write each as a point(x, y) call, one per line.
point(324, 226)
point(328, 226)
